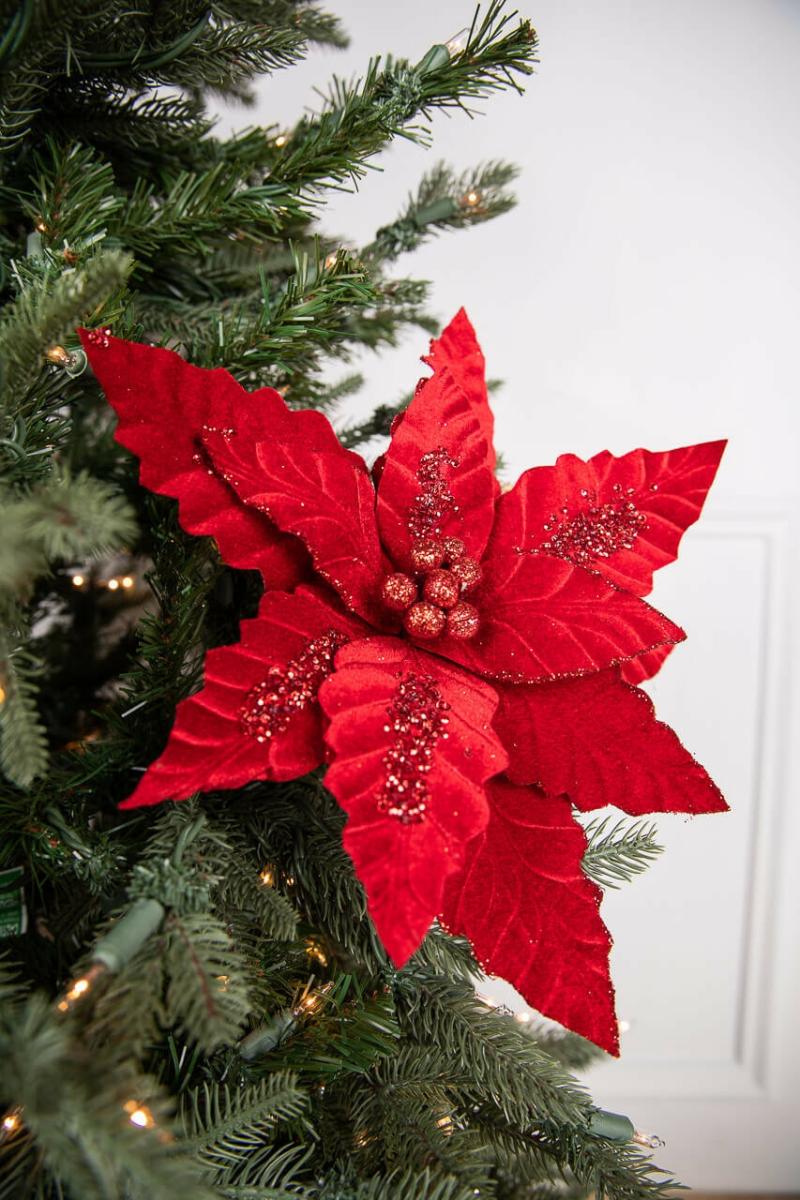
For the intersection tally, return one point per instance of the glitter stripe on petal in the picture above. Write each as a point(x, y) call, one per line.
point(387, 704)
point(622, 517)
point(217, 740)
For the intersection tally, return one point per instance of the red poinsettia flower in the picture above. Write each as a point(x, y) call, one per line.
point(461, 658)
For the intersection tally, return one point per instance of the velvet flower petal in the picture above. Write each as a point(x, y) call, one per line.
point(531, 914)
point(256, 716)
point(164, 405)
point(623, 517)
point(438, 474)
point(309, 485)
point(411, 746)
point(597, 741)
point(543, 618)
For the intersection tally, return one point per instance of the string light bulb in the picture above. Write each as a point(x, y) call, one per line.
point(223, 981)
point(458, 43)
point(280, 141)
point(11, 1122)
point(311, 1002)
point(78, 580)
point(113, 585)
point(127, 581)
point(139, 1114)
point(267, 877)
point(73, 363)
point(651, 1140)
point(80, 987)
point(315, 950)
point(58, 355)
point(40, 225)
point(330, 259)
point(471, 199)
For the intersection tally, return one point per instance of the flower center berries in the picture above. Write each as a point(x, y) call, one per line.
point(433, 602)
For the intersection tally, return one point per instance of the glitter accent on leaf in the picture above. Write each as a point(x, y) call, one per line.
point(98, 337)
point(598, 532)
point(434, 501)
point(417, 718)
point(271, 704)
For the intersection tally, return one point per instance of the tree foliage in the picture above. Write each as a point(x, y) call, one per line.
point(257, 1043)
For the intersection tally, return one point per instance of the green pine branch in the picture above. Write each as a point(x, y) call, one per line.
point(617, 852)
point(46, 313)
point(446, 200)
point(358, 119)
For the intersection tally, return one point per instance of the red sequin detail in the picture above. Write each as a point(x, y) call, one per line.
point(434, 501)
point(597, 532)
point(271, 704)
point(417, 718)
point(98, 337)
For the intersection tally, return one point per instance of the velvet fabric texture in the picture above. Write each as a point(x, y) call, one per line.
point(459, 739)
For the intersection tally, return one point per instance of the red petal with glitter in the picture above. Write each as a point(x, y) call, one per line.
point(458, 352)
point(256, 716)
point(412, 744)
point(163, 403)
point(437, 477)
point(542, 618)
point(637, 670)
point(597, 741)
point(305, 481)
point(531, 914)
point(623, 517)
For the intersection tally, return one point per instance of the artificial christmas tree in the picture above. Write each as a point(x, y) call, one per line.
point(195, 999)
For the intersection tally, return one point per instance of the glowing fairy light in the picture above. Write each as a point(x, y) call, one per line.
point(139, 1114)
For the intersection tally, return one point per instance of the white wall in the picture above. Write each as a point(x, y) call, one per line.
point(645, 292)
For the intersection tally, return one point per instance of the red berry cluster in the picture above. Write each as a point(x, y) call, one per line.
point(444, 574)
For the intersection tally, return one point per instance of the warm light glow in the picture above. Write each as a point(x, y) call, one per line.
point(267, 877)
point(290, 881)
point(127, 581)
point(651, 1140)
point(445, 1124)
point(139, 1114)
point(2, 694)
point(11, 1122)
point(457, 44)
point(59, 356)
point(78, 581)
point(330, 259)
point(41, 227)
point(113, 585)
point(314, 950)
point(472, 199)
point(78, 988)
point(223, 981)
point(522, 1016)
point(624, 1026)
point(281, 140)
